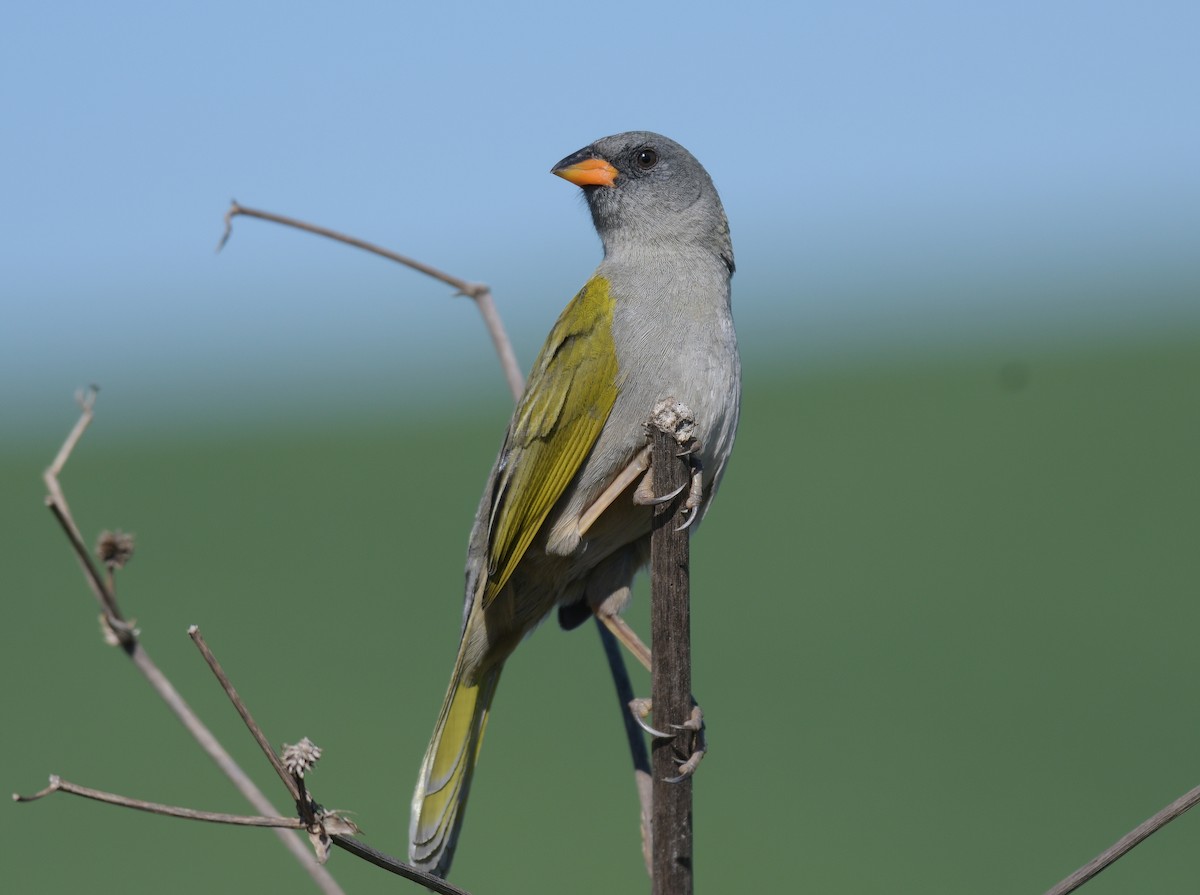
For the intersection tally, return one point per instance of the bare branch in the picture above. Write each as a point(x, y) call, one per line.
point(127, 636)
point(86, 399)
point(295, 784)
point(57, 784)
point(56, 502)
point(479, 292)
point(255, 731)
point(464, 287)
point(390, 864)
point(1126, 843)
point(360, 849)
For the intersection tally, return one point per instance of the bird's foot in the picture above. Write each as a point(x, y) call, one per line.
point(698, 745)
point(676, 419)
point(641, 708)
point(644, 494)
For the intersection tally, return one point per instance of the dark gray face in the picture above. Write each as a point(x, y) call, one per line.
point(661, 196)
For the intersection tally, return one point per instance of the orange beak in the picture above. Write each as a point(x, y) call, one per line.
point(589, 172)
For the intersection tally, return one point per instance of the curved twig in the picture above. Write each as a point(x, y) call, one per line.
point(480, 293)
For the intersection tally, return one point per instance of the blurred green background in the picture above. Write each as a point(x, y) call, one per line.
point(944, 617)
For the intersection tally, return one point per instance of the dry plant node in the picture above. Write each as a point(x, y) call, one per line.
point(300, 757)
point(115, 548)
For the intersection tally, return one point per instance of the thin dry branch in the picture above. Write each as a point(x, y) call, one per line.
point(255, 731)
point(58, 784)
point(480, 293)
point(295, 784)
point(56, 501)
point(347, 843)
point(127, 636)
point(390, 864)
point(1126, 843)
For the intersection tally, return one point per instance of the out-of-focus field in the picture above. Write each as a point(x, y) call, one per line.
point(945, 637)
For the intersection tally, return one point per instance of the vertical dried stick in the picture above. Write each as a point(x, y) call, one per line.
point(671, 684)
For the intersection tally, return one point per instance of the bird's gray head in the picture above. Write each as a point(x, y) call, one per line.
point(646, 191)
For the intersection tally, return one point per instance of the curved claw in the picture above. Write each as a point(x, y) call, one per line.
point(664, 498)
point(640, 708)
point(695, 721)
point(653, 731)
point(687, 768)
point(690, 519)
point(695, 496)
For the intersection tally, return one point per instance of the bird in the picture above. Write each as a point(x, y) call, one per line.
point(559, 525)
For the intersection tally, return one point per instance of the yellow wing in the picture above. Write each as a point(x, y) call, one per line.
point(570, 394)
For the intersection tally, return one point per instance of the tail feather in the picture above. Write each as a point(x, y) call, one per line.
point(445, 778)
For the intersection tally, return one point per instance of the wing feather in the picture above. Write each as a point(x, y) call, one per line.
point(568, 398)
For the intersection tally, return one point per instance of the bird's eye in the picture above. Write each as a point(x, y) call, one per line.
point(646, 158)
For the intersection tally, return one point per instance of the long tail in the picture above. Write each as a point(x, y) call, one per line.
point(441, 795)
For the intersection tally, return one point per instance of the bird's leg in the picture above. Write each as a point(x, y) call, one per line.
point(644, 495)
point(627, 636)
point(639, 464)
point(641, 708)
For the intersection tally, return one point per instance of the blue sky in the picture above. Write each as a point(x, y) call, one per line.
point(890, 170)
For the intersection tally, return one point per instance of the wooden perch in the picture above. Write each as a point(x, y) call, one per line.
point(671, 676)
